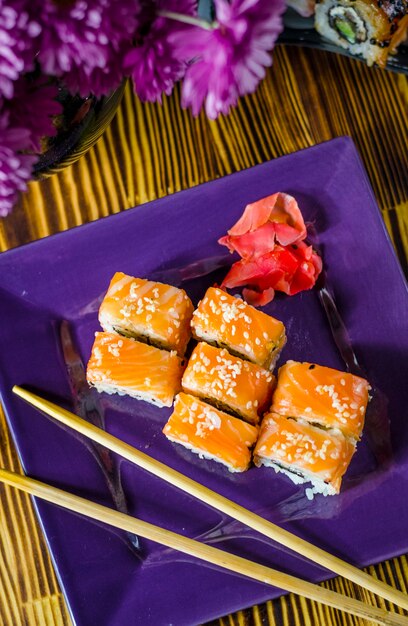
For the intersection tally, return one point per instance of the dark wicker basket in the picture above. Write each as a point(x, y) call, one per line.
point(82, 123)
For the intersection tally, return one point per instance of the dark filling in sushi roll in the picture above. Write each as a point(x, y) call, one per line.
point(348, 24)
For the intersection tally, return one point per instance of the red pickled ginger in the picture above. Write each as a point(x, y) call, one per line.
point(269, 237)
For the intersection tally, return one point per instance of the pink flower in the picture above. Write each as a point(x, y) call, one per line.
point(230, 59)
point(15, 166)
point(101, 81)
point(85, 36)
point(18, 30)
point(152, 62)
point(33, 107)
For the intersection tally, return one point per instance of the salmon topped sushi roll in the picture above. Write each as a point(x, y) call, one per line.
point(304, 453)
point(147, 311)
point(322, 395)
point(231, 323)
point(128, 367)
point(228, 382)
point(210, 433)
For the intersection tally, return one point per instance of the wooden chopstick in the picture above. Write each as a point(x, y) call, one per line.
point(216, 500)
point(201, 551)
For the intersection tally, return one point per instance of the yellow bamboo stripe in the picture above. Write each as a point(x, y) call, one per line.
point(59, 203)
point(111, 158)
point(9, 609)
point(47, 611)
point(97, 186)
point(122, 128)
point(149, 151)
point(28, 587)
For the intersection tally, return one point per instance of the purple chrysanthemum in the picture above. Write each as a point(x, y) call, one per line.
point(84, 36)
point(15, 166)
point(232, 56)
point(17, 34)
point(33, 107)
point(100, 82)
point(152, 63)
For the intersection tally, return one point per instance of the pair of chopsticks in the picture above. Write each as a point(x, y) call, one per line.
point(219, 502)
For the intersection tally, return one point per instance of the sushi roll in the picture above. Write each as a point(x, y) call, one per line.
point(210, 433)
point(128, 367)
point(322, 395)
point(147, 311)
point(228, 382)
point(367, 28)
point(228, 322)
point(304, 452)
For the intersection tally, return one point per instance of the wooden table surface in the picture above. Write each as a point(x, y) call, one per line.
point(151, 151)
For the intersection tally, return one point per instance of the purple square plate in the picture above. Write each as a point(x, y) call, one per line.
point(63, 277)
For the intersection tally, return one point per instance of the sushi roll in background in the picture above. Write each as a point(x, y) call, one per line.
point(211, 433)
point(367, 28)
point(147, 311)
point(228, 322)
point(322, 395)
point(228, 382)
point(304, 453)
point(124, 366)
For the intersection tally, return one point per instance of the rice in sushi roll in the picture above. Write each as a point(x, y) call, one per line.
point(147, 311)
point(304, 452)
point(210, 433)
point(128, 367)
point(228, 382)
point(228, 322)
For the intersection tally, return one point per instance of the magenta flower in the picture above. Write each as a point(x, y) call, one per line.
point(84, 35)
point(15, 166)
point(152, 63)
point(232, 56)
point(17, 34)
point(100, 82)
point(33, 108)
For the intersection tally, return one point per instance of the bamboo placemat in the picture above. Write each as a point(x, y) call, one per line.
point(150, 151)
